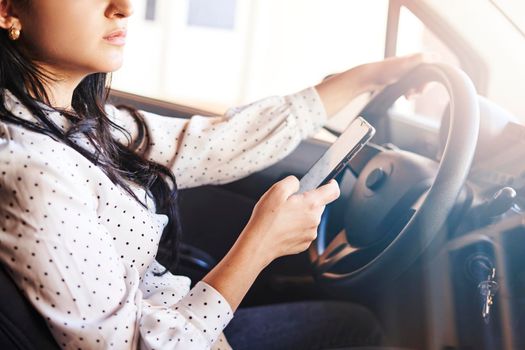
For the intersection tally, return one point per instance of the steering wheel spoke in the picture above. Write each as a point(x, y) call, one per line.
point(336, 251)
point(414, 208)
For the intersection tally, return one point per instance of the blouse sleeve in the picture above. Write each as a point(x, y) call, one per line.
point(215, 150)
point(67, 266)
point(203, 305)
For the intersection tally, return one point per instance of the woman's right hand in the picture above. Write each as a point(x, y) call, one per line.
point(283, 222)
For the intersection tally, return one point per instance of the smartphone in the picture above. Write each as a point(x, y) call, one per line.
point(356, 135)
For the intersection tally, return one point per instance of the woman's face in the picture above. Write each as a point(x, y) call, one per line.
point(73, 36)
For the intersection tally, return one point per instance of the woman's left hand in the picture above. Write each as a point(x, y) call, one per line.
point(339, 89)
point(376, 75)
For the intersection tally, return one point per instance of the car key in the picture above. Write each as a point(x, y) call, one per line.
point(488, 290)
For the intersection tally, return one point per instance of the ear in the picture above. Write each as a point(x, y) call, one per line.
point(7, 19)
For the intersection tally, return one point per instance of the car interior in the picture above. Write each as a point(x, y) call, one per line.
point(429, 230)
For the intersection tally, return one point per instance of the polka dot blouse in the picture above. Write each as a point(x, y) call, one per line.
point(83, 250)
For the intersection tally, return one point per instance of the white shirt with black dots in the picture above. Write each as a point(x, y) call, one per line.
point(83, 250)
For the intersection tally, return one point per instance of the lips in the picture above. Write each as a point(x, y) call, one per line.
point(117, 37)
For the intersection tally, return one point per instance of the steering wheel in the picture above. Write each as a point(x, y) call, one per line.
point(400, 200)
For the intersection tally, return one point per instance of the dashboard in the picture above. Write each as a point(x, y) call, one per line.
point(500, 154)
point(503, 163)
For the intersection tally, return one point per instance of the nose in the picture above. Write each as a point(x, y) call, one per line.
point(119, 9)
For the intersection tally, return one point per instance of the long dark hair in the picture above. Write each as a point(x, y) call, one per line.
point(121, 163)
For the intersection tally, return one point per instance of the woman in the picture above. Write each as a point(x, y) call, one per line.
point(88, 190)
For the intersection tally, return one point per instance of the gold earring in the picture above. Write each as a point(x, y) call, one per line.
point(14, 33)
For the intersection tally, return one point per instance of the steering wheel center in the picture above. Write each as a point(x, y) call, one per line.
point(403, 177)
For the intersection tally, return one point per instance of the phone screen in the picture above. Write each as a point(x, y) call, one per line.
point(358, 133)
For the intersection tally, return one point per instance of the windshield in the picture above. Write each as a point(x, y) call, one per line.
point(514, 11)
point(496, 41)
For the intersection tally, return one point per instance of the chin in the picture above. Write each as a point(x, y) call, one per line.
point(111, 69)
point(110, 60)
point(110, 66)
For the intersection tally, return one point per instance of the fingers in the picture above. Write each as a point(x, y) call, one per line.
point(430, 57)
point(308, 236)
point(324, 194)
point(413, 60)
point(410, 94)
point(408, 62)
point(419, 90)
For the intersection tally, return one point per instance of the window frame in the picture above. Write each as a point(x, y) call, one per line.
point(471, 62)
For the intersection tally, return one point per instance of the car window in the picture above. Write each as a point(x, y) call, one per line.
point(414, 36)
point(496, 40)
point(514, 11)
point(214, 54)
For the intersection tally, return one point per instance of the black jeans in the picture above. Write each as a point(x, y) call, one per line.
point(303, 325)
